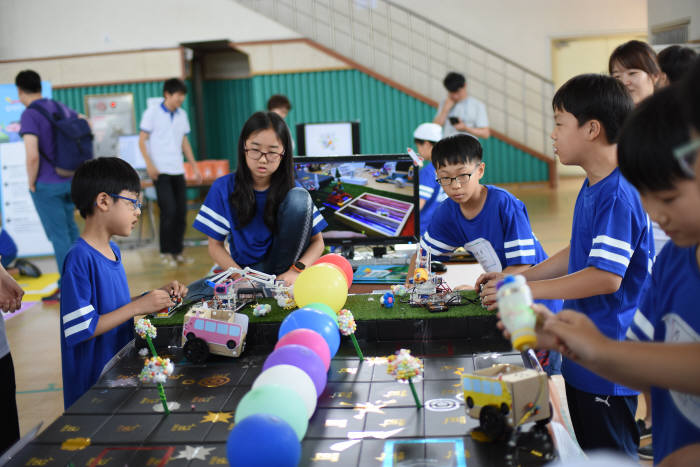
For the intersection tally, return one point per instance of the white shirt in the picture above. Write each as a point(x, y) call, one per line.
point(166, 130)
point(471, 111)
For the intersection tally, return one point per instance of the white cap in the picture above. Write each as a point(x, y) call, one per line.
point(428, 132)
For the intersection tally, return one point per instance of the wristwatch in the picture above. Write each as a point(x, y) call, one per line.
point(299, 266)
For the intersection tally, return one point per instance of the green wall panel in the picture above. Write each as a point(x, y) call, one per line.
point(75, 99)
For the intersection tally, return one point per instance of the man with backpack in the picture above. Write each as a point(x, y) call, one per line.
point(53, 151)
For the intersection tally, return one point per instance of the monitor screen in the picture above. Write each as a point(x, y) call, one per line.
point(328, 139)
point(366, 199)
point(129, 151)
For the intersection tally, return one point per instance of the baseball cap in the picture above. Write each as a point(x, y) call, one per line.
point(428, 132)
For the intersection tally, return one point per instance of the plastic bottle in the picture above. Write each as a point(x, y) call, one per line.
point(515, 307)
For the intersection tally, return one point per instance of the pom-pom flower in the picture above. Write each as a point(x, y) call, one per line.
point(399, 289)
point(145, 328)
point(261, 309)
point(403, 366)
point(156, 370)
point(387, 300)
point(346, 322)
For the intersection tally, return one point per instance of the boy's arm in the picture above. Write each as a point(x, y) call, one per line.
point(309, 257)
point(187, 150)
point(444, 109)
point(31, 146)
point(411, 268)
point(154, 301)
point(634, 364)
point(150, 168)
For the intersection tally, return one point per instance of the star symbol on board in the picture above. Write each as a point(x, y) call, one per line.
point(364, 408)
point(191, 453)
point(214, 417)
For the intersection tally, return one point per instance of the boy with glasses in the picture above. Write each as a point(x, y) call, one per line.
point(96, 309)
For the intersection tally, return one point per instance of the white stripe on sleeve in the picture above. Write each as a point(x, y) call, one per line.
point(77, 328)
point(613, 242)
point(436, 243)
point(216, 216)
point(597, 252)
point(77, 313)
point(216, 228)
point(519, 242)
point(432, 250)
point(644, 325)
point(513, 254)
point(317, 218)
point(631, 335)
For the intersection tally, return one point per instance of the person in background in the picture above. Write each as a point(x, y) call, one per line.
point(279, 104)
point(675, 61)
point(430, 193)
point(10, 300)
point(50, 192)
point(459, 112)
point(165, 127)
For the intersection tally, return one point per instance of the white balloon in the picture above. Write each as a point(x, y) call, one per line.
point(291, 377)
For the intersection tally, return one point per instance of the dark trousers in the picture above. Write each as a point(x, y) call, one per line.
point(172, 203)
point(9, 423)
point(604, 422)
point(294, 218)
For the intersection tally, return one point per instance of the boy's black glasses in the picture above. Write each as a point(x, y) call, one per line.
point(137, 204)
point(686, 155)
point(461, 178)
point(256, 154)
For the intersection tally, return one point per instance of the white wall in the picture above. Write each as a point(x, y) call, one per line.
point(87, 26)
point(522, 30)
point(663, 12)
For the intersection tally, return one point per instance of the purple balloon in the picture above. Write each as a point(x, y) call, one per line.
point(303, 358)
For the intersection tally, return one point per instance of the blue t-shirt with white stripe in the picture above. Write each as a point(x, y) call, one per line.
point(431, 192)
point(249, 244)
point(498, 237)
point(669, 313)
point(91, 285)
point(610, 232)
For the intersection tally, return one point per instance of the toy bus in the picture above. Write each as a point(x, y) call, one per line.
point(213, 329)
point(505, 396)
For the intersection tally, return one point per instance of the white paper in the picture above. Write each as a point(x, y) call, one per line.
point(484, 253)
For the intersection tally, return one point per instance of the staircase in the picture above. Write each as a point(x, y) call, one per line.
point(417, 53)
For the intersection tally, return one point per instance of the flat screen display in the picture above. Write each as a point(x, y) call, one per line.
point(366, 199)
point(328, 139)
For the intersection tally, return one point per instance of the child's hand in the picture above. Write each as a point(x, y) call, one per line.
point(154, 301)
point(464, 287)
point(486, 283)
point(10, 293)
point(175, 289)
point(580, 340)
point(289, 277)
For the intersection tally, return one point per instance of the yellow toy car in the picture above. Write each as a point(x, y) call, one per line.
point(505, 396)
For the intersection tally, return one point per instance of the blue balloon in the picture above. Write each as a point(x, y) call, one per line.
point(309, 318)
point(263, 440)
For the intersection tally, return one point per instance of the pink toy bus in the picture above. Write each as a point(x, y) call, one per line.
point(203, 333)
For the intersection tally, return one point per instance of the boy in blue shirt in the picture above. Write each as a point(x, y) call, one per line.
point(96, 309)
point(430, 193)
point(603, 270)
point(665, 331)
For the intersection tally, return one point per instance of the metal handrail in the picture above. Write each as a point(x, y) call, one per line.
point(367, 38)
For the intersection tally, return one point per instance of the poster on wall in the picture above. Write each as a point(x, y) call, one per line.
point(111, 116)
point(19, 218)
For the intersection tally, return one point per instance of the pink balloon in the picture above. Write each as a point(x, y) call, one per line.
point(309, 339)
point(339, 261)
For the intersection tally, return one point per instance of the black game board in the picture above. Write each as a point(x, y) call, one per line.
point(362, 416)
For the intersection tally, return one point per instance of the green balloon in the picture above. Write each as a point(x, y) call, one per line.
point(277, 400)
point(324, 308)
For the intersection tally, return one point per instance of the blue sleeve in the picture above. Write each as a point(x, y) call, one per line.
point(147, 120)
point(211, 219)
point(642, 329)
point(427, 185)
point(78, 315)
point(615, 231)
point(518, 239)
point(318, 223)
point(440, 237)
point(28, 123)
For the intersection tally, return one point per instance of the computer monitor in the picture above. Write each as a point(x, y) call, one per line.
point(366, 199)
point(328, 139)
point(129, 151)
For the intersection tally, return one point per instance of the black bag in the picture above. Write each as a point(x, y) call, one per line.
point(73, 139)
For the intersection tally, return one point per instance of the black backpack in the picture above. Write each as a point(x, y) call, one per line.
point(73, 139)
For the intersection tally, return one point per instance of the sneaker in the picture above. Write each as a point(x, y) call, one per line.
point(168, 260)
point(26, 268)
point(54, 297)
point(644, 431)
point(182, 259)
point(646, 452)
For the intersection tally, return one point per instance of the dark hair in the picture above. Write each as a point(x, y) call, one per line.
point(456, 149)
point(635, 54)
point(645, 149)
point(595, 97)
point(174, 85)
point(690, 93)
point(103, 174)
point(28, 81)
point(453, 81)
point(675, 61)
point(242, 198)
point(279, 101)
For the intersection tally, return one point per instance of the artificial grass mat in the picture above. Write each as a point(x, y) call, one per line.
point(365, 307)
